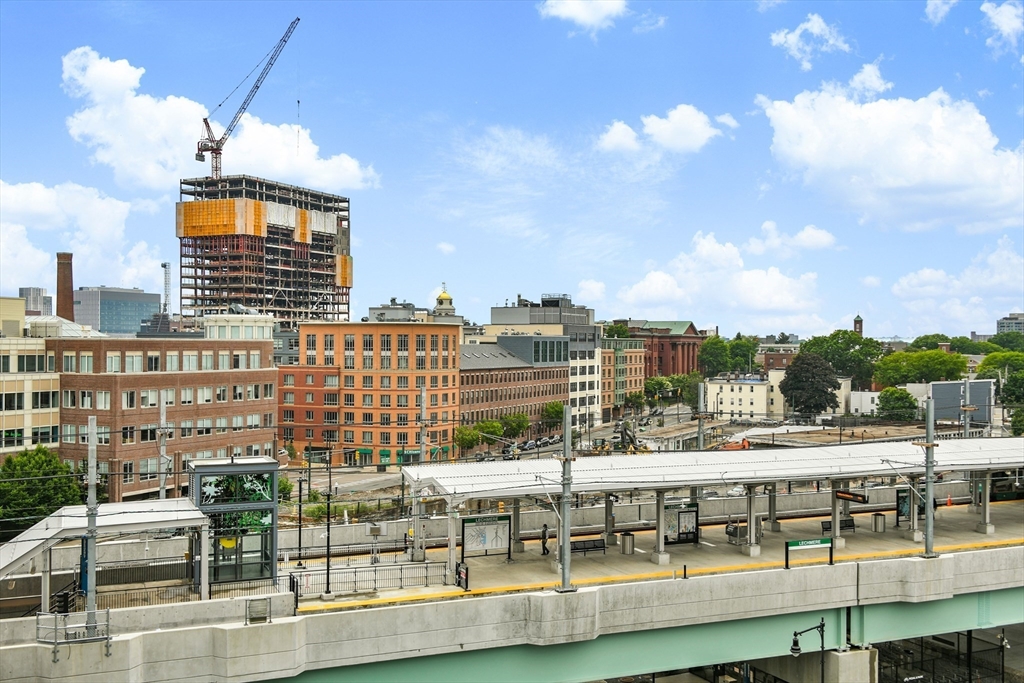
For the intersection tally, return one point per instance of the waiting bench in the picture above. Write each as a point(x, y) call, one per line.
point(844, 525)
point(587, 546)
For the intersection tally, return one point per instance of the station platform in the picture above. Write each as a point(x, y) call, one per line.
point(531, 571)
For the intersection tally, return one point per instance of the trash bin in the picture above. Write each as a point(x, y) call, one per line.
point(627, 543)
point(878, 523)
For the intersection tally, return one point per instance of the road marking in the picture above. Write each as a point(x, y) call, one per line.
point(710, 544)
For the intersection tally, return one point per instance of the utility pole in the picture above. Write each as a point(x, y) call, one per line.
point(163, 445)
point(565, 535)
point(327, 594)
point(967, 408)
point(419, 545)
point(700, 416)
point(929, 478)
point(90, 540)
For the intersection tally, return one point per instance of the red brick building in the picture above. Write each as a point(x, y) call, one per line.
point(670, 346)
point(220, 395)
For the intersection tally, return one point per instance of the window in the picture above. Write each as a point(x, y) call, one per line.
point(402, 438)
point(207, 360)
point(237, 392)
point(113, 362)
point(252, 392)
point(222, 394)
point(171, 362)
point(85, 362)
point(367, 400)
point(252, 421)
point(350, 399)
point(237, 423)
point(127, 399)
point(102, 435)
point(385, 419)
point(186, 429)
point(350, 418)
point(385, 437)
point(127, 472)
point(68, 401)
point(288, 416)
point(147, 433)
point(148, 469)
point(149, 398)
point(127, 435)
point(289, 380)
point(69, 362)
point(309, 397)
point(331, 399)
point(190, 361)
point(102, 400)
point(309, 416)
point(68, 433)
point(403, 382)
point(204, 427)
point(311, 342)
point(223, 360)
point(289, 397)
point(168, 396)
point(268, 391)
point(367, 418)
point(330, 417)
point(367, 438)
point(254, 360)
point(331, 381)
point(222, 425)
point(403, 419)
point(187, 396)
point(385, 401)
point(403, 401)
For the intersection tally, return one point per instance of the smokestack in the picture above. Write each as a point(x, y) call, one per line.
point(65, 287)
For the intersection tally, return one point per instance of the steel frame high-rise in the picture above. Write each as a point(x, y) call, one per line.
point(275, 248)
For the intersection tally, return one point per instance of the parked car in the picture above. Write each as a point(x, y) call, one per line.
point(711, 493)
point(543, 441)
point(736, 491)
point(556, 438)
point(508, 457)
point(529, 445)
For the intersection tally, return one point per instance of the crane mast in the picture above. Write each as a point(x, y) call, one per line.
point(214, 145)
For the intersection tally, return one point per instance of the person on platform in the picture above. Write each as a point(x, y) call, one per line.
point(544, 541)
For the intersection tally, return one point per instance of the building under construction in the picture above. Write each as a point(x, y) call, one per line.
point(278, 249)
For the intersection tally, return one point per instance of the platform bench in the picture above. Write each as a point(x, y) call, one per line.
point(844, 525)
point(587, 546)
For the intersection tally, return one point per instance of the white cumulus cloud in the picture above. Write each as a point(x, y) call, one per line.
point(590, 15)
point(684, 129)
point(649, 21)
point(589, 291)
point(936, 10)
point(915, 164)
point(70, 217)
point(868, 82)
point(810, 37)
point(1006, 21)
point(618, 137)
point(727, 120)
point(810, 237)
point(446, 247)
point(150, 141)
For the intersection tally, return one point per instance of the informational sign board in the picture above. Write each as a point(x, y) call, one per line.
point(850, 495)
point(810, 544)
point(462, 575)
point(903, 505)
point(688, 524)
point(487, 535)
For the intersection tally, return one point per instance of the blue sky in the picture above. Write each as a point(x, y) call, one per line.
point(759, 166)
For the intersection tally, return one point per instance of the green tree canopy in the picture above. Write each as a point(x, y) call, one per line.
point(42, 487)
point(466, 438)
point(1017, 423)
point(284, 488)
point(1011, 341)
point(713, 356)
point(927, 342)
point(897, 404)
point(551, 413)
point(810, 384)
point(923, 366)
point(966, 346)
point(782, 338)
point(653, 386)
point(1012, 393)
point(635, 401)
point(686, 387)
point(515, 424)
point(849, 354)
point(619, 331)
point(741, 353)
point(1007, 362)
point(489, 429)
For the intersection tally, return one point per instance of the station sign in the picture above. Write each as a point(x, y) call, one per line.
point(842, 494)
point(810, 544)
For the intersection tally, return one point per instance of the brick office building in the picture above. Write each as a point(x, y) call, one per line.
point(356, 391)
point(495, 382)
point(670, 346)
point(622, 373)
point(219, 390)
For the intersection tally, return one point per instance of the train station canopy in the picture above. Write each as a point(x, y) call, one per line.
point(111, 519)
point(675, 470)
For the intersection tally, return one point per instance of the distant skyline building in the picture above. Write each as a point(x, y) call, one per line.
point(1011, 323)
point(115, 310)
point(37, 302)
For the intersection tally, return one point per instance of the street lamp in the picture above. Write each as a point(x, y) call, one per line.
point(330, 489)
point(302, 479)
point(795, 649)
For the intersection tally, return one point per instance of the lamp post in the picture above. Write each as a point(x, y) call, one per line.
point(330, 490)
point(302, 479)
point(795, 649)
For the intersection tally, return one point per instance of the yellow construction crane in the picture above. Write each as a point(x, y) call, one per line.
point(210, 142)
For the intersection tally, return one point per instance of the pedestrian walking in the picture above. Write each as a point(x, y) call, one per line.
point(544, 541)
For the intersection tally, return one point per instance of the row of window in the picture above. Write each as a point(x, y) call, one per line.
point(583, 401)
point(439, 344)
point(150, 398)
point(332, 417)
point(27, 362)
point(511, 393)
point(384, 381)
point(733, 401)
point(331, 436)
point(367, 400)
point(153, 361)
point(149, 433)
point(16, 438)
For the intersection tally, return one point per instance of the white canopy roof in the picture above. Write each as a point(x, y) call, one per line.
point(112, 518)
point(674, 470)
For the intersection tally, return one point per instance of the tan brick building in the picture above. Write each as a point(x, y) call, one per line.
point(622, 373)
point(356, 391)
point(219, 391)
point(29, 384)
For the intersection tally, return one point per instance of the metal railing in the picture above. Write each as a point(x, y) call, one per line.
point(347, 550)
point(247, 587)
point(58, 629)
point(369, 579)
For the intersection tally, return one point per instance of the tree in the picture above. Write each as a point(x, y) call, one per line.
point(1011, 341)
point(619, 331)
point(489, 429)
point(466, 438)
point(966, 346)
point(515, 424)
point(713, 356)
point(897, 404)
point(1007, 362)
point(810, 384)
point(849, 354)
point(635, 401)
point(1017, 423)
point(741, 353)
point(44, 485)
point(1012, 393)
point(782, 338)
point(927, 342)
point(284, 488)
point(292, 453)
point(686, 387)
point(923, 366)
point(653, 386)
point(551, 413)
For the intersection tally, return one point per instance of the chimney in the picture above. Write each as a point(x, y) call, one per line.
point(65, 287)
